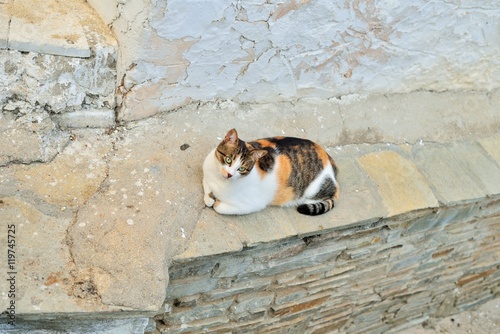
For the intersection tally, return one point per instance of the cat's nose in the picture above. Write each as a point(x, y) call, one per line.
point(229, 175)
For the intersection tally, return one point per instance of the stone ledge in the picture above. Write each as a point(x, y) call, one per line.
point(35, 26)
point(73, 323)
point(377, 182)
point(93, 118)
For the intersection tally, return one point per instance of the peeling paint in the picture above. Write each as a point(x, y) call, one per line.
point(264, 51)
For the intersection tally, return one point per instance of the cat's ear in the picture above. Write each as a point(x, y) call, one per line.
point(257, 154)
point(231, 138)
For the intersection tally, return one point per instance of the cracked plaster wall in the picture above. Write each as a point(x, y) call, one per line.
point(177, 52)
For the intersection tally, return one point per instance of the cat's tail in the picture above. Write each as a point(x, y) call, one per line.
point(315, 209)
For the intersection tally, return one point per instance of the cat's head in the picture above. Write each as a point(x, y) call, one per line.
point(235, 157)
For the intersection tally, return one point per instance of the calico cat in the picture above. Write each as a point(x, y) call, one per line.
point(243, 177)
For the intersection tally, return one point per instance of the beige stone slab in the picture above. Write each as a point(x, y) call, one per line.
point(484, 170)
point(71, 178)
point(492, 146)
point(143, 213)
point(399, 182)
point(56, 34)
point(30, 137)
point(449, 178)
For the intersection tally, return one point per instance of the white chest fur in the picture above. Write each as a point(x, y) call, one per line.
point(244, 194)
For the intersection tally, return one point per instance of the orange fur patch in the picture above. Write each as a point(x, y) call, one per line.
point(266, 143)
point(284, 193)
point(322, 155)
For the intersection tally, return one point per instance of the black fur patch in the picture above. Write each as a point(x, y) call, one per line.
point(326, 191)
point(306, 164)
point(316, 208)
point(266, 163)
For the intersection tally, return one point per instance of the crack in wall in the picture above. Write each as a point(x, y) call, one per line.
point(83, 288)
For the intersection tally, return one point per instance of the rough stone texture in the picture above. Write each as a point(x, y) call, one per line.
point(71, 178)
point(38, 80)
point(40, 200)
point(267, 51)
point(29, 138)
point(43, 201)
point(41, 277)
point(129, 223)
point(86, 119)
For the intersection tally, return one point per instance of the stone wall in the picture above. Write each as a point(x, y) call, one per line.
point(377, 277)
point(176, 52)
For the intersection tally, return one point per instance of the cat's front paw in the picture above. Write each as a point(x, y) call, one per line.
point(226, 209)
point(209, 200)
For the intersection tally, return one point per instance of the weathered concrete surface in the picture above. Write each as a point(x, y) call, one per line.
point(122, 203)
point(65, 40)
point(31, 137)
point(4, 30)
point(142, 207)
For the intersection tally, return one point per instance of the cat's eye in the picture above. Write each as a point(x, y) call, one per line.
point(228, 160)
point(241, 169)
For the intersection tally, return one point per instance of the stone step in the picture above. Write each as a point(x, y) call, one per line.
point(57, 69)
point(42, 29)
